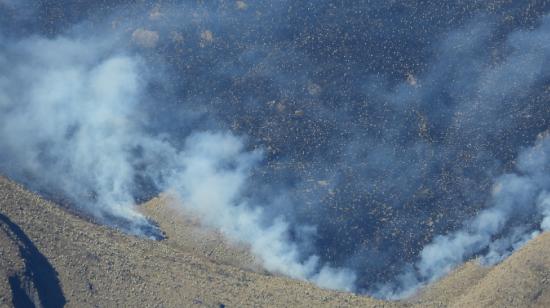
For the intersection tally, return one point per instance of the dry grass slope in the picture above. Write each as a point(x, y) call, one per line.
point(96, 265)
point(100, 266)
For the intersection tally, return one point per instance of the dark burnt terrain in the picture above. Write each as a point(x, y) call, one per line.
point(377, 119)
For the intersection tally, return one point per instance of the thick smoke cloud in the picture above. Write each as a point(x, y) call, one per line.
point(212, 182)
point(382, 140)
point(72, 127)
point(68, 122)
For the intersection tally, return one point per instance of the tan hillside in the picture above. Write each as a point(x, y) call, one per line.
point(100, 266)
point(50, 256)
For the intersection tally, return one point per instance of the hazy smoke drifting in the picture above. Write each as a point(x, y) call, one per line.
point(517, 200)
point(211, 181)
point(388, 147)
point(72, 126)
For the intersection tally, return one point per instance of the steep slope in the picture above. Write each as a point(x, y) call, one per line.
point(31, 278)
point(11, 265)
point(43, 245)
point(184, 232)
point(100, 266)
point(522, 280)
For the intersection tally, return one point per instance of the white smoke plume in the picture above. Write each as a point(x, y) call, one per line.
point(518, 207)
point(517, 201)
point(70, 122)
point(75, 124)
point(213, 174)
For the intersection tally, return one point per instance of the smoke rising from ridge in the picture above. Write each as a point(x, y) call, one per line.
point(379, 150)
point(77, 106)
point(513, 208)
point(81, 124)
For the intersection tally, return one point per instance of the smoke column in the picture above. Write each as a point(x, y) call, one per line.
point(76, 130)
point(351, 144)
